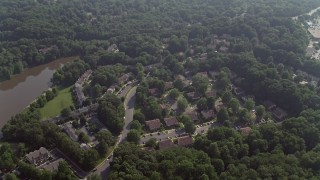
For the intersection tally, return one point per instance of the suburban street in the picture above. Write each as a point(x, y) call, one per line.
point(129, 110)
point(130, 92)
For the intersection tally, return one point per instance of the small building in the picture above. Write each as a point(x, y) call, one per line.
point(38, 156)
point(279, 114)
point(166, 144)
point(269, 105)
point(153, 125)
point(185, 141)
point(171, 121)
point(207, 114)
point(193, 115)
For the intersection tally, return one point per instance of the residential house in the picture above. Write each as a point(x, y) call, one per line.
point(184, 80)
point(166, 144)
point(113, 48)
point(218, 105)
point(111, 89)
point(208, 114)
point(149, 68)
point(171, 121)
point(238, 81)
point(79, 86)
point(124, 78)
point(310, 51)
point(234, 75)
point(202, 74)
point(52, 166)
point(244, 98)
point(223, 49)
point(185, 141)
point(214, 74)
point(47, 49)
point(193, 115)
point(211, 94)
point(84, 146)
point(80, 95)
point(154, 92)
point(168, 85)
point(188, 74)
point(163, 106)
point(193, 95)
point(70, 132)
point(84, 77)
point(180, 77)
point(245, 131)
point(203, 56)
point(279, 114)
point(269, 105)
point(153, 125)
point(238, 91)
point(38, 157)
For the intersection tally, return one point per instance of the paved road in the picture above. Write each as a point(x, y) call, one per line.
point(104, 168)
point(129, 106)
point(201, 129)
point(123, 92)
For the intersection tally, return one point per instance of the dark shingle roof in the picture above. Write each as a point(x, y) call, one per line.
point(153, 124)
point(171, 121)
point(166, 144)
point(185, 141)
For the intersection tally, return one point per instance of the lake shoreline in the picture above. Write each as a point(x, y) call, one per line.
point(22, 89)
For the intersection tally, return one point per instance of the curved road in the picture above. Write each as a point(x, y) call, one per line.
point(104, 168)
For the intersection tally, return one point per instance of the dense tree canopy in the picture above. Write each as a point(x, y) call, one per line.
point(252, 44)
point(111, 113)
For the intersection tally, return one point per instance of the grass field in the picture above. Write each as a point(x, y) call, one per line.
point(54, 107)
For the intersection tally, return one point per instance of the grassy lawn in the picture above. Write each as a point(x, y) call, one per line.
point(54, 107)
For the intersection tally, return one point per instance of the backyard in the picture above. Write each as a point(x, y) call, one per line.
point(54, 107)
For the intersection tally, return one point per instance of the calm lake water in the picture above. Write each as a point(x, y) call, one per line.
point(22, 89)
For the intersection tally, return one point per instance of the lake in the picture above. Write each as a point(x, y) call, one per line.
point(23, 88)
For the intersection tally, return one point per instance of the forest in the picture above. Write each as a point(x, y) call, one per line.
point(256, 39)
